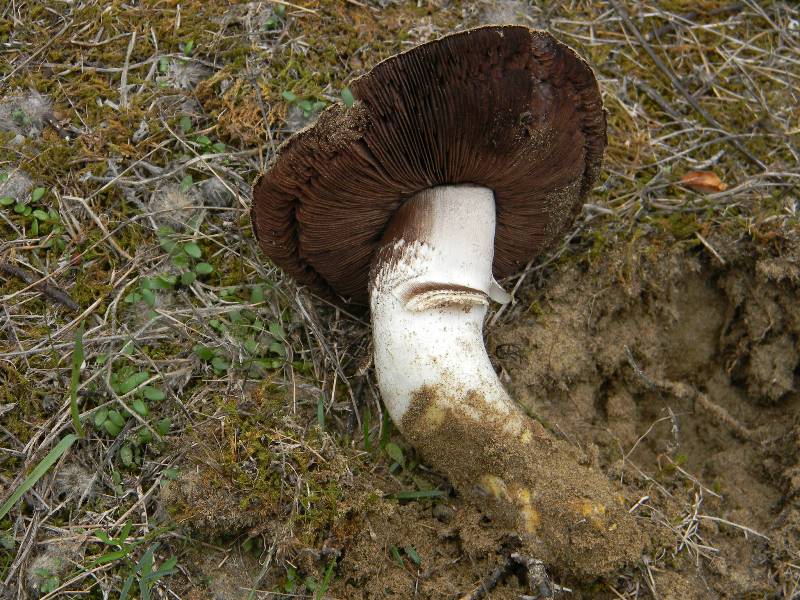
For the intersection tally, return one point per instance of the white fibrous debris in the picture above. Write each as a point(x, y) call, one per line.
point(184, 74)
point(73, 482)
point(507, 12)
point(216, 193)
point(51, 565)
point(17, 186)
point(25, 114)
point(174, 207)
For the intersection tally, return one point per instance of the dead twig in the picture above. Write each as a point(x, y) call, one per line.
point(51, 291)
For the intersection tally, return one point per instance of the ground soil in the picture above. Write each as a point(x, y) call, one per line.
point(678, 376)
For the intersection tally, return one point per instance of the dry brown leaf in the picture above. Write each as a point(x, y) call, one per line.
point(704, 181)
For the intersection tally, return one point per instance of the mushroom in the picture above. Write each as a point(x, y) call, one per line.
point(460, 161)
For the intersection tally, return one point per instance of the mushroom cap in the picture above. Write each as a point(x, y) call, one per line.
point(505, 107)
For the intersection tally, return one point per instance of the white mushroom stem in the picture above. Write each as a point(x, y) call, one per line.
point(429, 297)
point(430, 285)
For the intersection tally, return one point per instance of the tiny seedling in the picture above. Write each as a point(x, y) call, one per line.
point(48, 581)
point(264, 345)
point(184, 256)
point(40, 219)
point(185, 124)
point(347, 97)
point(120, 550)
point(308, 106)
point(20, 117)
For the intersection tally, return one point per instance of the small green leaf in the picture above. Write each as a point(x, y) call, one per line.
point(203, 140)
point(188, 47)
point(152, 393)
point(220, 364)
point(305, 105)
point(35, 228)
point(140, 407)
point(185, 124)
point(41, 215)
point(163, 64)
point(145, 437)
point(181, 261)
point(193, 250)
point(276, 330)
point(149, 297)
point(7, 542)
point(395, 453)
point(188, 277)
point(257, 294)
point(20, 116)
point(112, 428)
point(251, 346)
point(37, 194)
point(203, 268)
point(318, 106)
point(218, 147)
point(133, 381)
point(115, 417)
point(20, 207)
point(347, 97)
point(203, 352)
point(289, 96)
point(100, 417)
point(396, 554)
point(163, 426)
point(165, 282)
point(126, 455)
point(186, 183)
point(6, 201)
point(167, 243)
point(103, 537)
point(4, 176)
point(411, 552)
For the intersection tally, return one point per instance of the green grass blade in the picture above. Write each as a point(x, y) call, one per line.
point(77, 361)
point(38, 472)
point(418, 494)
point(321, 412)
point(326, 581)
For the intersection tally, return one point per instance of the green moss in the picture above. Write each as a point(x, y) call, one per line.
point(682, 225)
